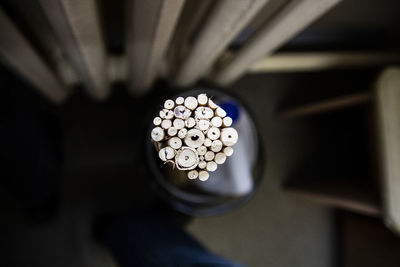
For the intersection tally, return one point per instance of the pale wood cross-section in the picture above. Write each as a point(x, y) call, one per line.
point(388, 105)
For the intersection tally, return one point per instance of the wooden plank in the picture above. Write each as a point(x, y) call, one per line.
point(150, 27)
point(30, 17)
point(225, 22)
point(388, 108)
point(77, 27)
point(293, 18)
point(345, 195)
point(327, 105)
point(316, 61)
point(16, 52)
point(193, 14)
point(33, 21)
point(337, 169)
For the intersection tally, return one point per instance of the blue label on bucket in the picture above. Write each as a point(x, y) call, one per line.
point(232, 109)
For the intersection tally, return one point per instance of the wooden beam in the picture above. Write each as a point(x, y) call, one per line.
point(346, 195)
point(77, 27)
point(316, 61)
point(354, 205)
point(388, 107)
point(225, 22)
point(35, 23)
point(193, 14)
point(292, 19)
point(150, 27)
point(16, 52)
point(327, 105)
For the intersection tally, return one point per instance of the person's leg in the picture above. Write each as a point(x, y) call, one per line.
point(144, 239)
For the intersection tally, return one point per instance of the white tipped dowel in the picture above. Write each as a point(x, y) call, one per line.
point(209, 156)
point(166, 114)
point(202, 165)
point(202, 99)
point(182, 112)
point(169, 104)
point(201, 158)
point(216, 146)
point(202, 150)
point(203, 176)
point(228, 151)
point(165, 124)
point(162, 114)
point(207, 142)
point(203, 125)
point(169, 115)
point(211, 166)
point(204, 113)
point(191, 102)
point(194, 138)
point(157, 134)
point(180, 100)
point(214, 133)
point(175, 143)
point(182, 133)
point(216, 122)
point(157, 121)
point(220, 112)
point(220, 158)
point(229, 136)
point(186, 159)
point(166, 153)
point(179, 124)
point(227, 121)
point(193, 174)
point(190, 123)
point(172, 131)
point(212, 105)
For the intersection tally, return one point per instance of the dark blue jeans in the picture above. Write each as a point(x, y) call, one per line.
point(152, 240)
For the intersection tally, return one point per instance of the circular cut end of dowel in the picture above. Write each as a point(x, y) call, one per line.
point(182, 112)
point(211, 166)
point(193, 174)
point(157, 134)
point(172, 131)
point(229, 136)
point(186, 159)
point(220, 158)
point(191, 102)
point(194, 138)
point(166, 153)
point(169, 104)
point(202, 99)
point(190, 123)
point(203, 176)
point(228, 151)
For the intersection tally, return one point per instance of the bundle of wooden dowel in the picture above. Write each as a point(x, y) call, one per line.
point(194, 135)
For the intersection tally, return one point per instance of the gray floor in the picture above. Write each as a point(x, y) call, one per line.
point(273, 229)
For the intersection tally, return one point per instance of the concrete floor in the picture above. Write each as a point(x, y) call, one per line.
point(273, 229)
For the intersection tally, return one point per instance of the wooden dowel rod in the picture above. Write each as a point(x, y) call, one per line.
point(328, 105)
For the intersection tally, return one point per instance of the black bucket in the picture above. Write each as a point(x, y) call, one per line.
point(231, 185)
